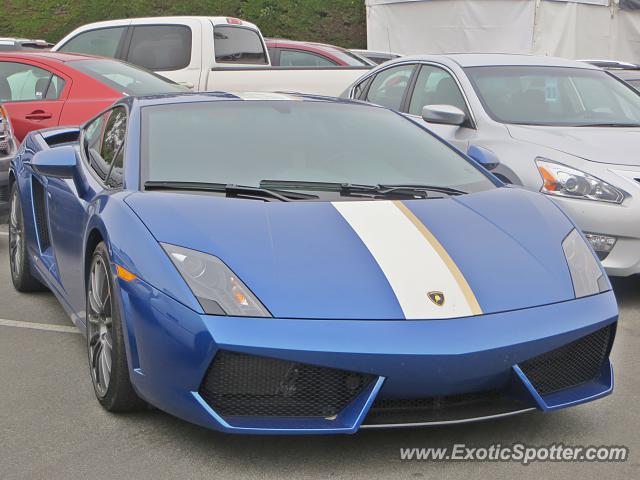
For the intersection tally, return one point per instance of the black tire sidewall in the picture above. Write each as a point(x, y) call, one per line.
point(23, 281)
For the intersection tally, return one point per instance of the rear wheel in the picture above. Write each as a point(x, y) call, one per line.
point(105, 340)
point(21, 276)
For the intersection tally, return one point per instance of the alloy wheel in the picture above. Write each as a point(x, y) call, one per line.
point(99, 326)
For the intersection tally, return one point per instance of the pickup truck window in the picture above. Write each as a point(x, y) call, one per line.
point(160, 47)
point(238, 45)
point(103, 42)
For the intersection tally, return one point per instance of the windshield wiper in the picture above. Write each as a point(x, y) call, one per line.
point(371, 191)
point(231, 190)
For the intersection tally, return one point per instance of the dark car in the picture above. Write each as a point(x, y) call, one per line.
point(13, 44)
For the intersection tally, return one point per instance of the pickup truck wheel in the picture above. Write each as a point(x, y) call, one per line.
point(21, 276)
point(105, 340)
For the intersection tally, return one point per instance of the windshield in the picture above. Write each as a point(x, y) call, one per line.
point(127, 78)
point(244, 142)
point(555, 96)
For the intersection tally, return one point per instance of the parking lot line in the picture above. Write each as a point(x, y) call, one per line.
point(38, 326)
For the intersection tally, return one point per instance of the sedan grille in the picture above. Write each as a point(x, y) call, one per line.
point(246, 385)
point(570, 365)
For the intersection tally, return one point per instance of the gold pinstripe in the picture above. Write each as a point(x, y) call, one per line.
point(469, 296)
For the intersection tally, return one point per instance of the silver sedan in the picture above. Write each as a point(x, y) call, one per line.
point(565, 128)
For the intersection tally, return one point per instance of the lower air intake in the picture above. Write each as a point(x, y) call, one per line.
point(247, 385)
point(442, 409)
point(571, 365)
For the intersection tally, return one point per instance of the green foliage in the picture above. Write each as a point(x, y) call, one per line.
point(340, 22)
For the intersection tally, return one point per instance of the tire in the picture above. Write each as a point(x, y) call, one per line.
point(21, 276)
point(105, 339)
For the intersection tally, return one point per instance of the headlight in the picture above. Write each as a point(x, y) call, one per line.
point(217, 288)
point(565, 181)
point(586, 274)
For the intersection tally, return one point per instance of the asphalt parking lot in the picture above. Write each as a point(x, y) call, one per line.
point(52, 427)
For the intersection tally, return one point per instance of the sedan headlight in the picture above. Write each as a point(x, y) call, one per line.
point(564, 181)
point(586, 274)
point(217, 288)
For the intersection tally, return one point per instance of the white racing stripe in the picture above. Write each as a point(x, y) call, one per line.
point(411, 258)
point(38, 326)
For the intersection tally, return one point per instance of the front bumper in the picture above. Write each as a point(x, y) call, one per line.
point(171, 348)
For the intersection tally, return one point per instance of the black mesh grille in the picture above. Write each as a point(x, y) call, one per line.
point(571, 365)
point(39, 207)
point(4, 193)
point(442, 408)
point(247, 385)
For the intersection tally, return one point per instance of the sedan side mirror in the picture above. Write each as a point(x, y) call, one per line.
point(58, 162)
point(484, 157)
point(443, 114)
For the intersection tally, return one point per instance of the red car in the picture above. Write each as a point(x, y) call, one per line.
point(289, 53)
point(43, 89)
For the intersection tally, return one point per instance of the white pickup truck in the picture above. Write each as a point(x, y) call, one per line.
point(205, 54)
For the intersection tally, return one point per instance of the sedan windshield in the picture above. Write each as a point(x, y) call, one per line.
point(125, 78)
point(555, 96)
point(248, 142)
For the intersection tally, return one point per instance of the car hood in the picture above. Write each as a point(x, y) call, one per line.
point(612, 145)
point(487, 252)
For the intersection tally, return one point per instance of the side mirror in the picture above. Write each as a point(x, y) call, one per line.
point(443, 114)
point(58, 162)
point(484, 157)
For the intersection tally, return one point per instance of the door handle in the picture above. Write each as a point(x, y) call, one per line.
point(38, 115)
point(187, 84)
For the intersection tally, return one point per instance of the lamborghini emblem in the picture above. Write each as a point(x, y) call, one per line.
point(437, 298)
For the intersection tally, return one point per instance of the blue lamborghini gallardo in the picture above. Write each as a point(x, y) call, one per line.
point(269, 263)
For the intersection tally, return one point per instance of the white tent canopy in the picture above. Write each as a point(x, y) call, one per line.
point(566, 28)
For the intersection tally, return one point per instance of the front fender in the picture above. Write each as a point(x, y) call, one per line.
point(131, 245)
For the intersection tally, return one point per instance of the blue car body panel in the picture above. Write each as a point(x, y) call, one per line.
point(331, 302)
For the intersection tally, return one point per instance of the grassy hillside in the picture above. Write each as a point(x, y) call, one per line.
point(340, 22)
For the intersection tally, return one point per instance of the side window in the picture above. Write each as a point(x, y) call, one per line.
point(297, 58)
point(435, 86)
point(20, 82)
point(103, 42)
point(360, 89)
point(388, 88)
point(160, 47)
point(238, 45)
point(104, 145)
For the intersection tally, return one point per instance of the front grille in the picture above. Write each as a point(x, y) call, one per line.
point(246, 385)
point(571, 365)
point(442, 408)
point(40, 210)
